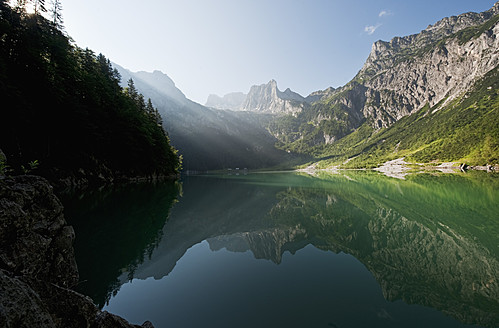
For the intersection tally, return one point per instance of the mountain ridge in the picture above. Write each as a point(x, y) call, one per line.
point(267, 98)
point(230, 101)
point(208, 138)
point(438, 68)
point(264, 98)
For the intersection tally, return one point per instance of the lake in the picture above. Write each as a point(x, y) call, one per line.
point(354, 249)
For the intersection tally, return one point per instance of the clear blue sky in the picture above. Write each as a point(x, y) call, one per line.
point(222, 46)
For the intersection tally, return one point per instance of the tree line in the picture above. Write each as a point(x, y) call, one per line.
point(63, 106)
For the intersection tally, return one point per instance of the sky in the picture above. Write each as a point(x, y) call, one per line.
point(222, 46)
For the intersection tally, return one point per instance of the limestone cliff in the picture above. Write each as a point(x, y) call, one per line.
point(445, 62)
point(437, 65)
point(267, 98)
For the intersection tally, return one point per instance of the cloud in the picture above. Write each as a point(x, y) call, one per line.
point(370, 29)
point(385, 13)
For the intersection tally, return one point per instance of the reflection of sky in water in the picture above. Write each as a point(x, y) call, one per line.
point(222, 256)
point(312, 288)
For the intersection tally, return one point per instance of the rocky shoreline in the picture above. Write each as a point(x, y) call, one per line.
point(38, 270)
point(399, 168)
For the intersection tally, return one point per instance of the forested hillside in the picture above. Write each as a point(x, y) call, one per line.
point(208, 138)
point(64, 114)
point(467, 130)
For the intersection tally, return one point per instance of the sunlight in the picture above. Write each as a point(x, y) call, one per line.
point(32, 7)
point(353, 197)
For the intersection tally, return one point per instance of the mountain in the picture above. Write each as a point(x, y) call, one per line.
point(318, 95)
point(267, 98)
point(445, 74)
point(232, 101)
point(438, 64)
point(441, 255)
point(64, 115)
point(208, 138)
point(264, 98)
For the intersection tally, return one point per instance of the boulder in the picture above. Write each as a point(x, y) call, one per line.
point(37, 263)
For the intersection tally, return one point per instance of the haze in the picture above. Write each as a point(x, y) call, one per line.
point(222, 46)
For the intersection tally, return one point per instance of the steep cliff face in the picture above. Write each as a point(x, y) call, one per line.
point(267, 98)
point(383, 53)
point(447, 69)
point(439, 64)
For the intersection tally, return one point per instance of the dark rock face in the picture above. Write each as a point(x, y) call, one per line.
point(20, 306)
point(37, 263)
point(34, 238)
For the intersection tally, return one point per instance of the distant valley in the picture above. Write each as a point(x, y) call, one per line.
point(429, 97)
point(209, 138)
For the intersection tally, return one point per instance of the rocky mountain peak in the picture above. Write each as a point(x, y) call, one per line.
point(453, 24)
point(232, 101)
point(152, 85)
point(440, 63)
point(318, 95)
point(267, 98)
point(383, 53)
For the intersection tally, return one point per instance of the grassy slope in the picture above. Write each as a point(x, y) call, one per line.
point(466, 130)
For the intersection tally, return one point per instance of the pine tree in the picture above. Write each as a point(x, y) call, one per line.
point(141, 104)
point(39, 6)
point(56, 13)
point(131, 91)
point(149, 108)
point(159, 119)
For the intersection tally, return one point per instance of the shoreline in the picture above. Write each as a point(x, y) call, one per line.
point(38, 270)
point(399, 168)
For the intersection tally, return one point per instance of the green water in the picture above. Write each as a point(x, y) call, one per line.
point(355, 249)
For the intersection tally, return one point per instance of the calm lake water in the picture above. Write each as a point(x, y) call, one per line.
point(355, 249)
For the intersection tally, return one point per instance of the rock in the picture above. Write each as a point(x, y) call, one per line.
point(405, 74)
point(3, 161)
point(31, 218)
point(147, 324)
point(37, 263)
point(320, 94)
point(20, 306)
point(399, 78)
point(267, 98)
point(232, 101)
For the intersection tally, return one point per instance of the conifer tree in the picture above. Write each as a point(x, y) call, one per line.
point(149, 108)
point(39, 5)
point(131, 90)
point(159, 119)
point(141, 104)
point(56, 13)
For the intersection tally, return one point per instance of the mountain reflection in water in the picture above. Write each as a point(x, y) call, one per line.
point(430, 241)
